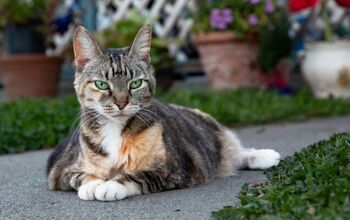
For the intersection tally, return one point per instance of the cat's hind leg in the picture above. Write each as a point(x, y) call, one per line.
point(234, 156)
point(259, 158)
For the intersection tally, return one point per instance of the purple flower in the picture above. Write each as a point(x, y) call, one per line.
point(227, 15)
point(254, 2)
point(253, 20)
point(220, 18)
point(269, 6)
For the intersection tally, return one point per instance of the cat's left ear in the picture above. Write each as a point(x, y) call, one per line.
point(141, 47)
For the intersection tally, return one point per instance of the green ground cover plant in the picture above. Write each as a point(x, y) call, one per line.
point(35, 124)
point(38, 124)
point(311, 184)
point(250, 106)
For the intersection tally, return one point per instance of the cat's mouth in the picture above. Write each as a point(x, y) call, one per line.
point(128, 112)
point(117, 117)
point(118, 114)
point(121, 113)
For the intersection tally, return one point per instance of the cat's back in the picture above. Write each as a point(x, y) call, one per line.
point(177, 115)
point(196, 140)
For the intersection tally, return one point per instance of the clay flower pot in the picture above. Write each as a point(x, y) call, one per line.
point(228, 62)
point(30, 75)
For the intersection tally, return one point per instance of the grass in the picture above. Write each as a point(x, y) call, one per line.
point(312, 184)
point(37, 124)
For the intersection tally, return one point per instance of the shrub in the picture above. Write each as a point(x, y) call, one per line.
point(312, 184)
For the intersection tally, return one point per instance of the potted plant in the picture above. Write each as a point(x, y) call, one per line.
point(119, 35)
point(26, 70)
point(228, 36)
point(326, 65)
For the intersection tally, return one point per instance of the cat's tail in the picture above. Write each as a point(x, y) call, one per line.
point(235, 156)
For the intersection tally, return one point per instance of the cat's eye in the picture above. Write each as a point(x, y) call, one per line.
point(135, 84)
point(101, 85)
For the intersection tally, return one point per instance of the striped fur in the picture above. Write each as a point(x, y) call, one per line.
point(145, 147)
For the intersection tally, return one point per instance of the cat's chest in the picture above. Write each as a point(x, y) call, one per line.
point(112, 140)
point(127, 152)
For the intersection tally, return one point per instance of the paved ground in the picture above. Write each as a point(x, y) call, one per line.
point(24, 194)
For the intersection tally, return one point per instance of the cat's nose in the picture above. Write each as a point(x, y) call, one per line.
point(121, 105)
point(121, 100)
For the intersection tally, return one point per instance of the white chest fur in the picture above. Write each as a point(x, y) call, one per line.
point(112, 139)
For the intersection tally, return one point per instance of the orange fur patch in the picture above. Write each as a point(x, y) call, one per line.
point(138, 153)
point(141, 151)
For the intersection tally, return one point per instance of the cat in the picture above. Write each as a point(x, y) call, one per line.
point(128, 143)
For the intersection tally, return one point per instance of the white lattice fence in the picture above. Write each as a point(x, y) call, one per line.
point(170, 17)
point(166, 14)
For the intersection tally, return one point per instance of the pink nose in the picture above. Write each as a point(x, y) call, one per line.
point(121, 105)
point(121, 100)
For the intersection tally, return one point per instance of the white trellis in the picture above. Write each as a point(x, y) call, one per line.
point(173, 13)
point(167, 15)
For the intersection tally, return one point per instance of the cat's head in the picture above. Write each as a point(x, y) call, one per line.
point(115, 82)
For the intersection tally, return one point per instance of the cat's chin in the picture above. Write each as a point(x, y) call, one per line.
point(118, 117)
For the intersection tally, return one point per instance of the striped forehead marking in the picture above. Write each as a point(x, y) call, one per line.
point(112, 67)
point(118, 67)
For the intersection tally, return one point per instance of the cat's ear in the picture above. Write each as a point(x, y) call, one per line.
point(141, 47)
point(85, 47)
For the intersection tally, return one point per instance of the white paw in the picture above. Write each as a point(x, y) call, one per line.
point(87, 191)
point(110, 191)
point(263, 159)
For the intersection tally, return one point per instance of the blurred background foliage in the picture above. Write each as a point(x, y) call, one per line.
point(122, 32)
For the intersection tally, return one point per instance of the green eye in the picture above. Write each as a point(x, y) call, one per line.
point(101, 85)
point(135, 84)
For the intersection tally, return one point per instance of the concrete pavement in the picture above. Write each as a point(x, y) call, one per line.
point(24, 193)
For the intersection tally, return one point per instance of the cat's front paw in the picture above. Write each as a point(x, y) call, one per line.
point(87, 191)
point(110, 191)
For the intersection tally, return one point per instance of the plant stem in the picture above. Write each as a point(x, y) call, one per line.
point(326, 22)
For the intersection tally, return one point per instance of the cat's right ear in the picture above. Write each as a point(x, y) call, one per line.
point(85, 47)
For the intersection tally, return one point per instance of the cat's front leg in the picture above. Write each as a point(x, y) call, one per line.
point(114, 190)
point(85, 184)
point(126, 185)
point(90, 187)
point(87, 190)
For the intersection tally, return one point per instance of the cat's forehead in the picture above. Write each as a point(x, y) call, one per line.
point(117, 52)
point(115, 64)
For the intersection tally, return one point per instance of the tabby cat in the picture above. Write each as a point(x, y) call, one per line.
point(128, 143)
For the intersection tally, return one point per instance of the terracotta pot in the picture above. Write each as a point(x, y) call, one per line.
point(228, 62)
point(30, 75)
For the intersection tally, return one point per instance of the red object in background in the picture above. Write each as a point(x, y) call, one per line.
point(343, 3)
point(297, 5)
point(278, 77)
